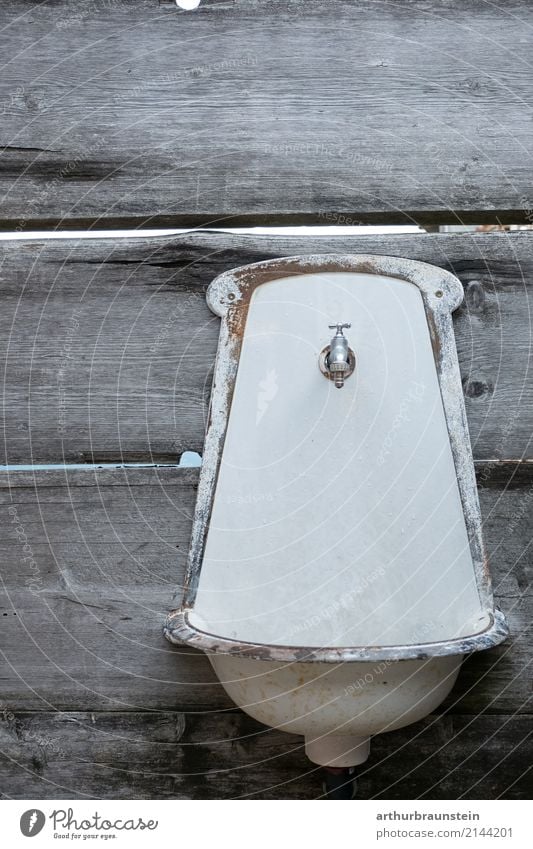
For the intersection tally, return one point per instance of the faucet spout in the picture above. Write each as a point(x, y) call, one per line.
point(338, 359)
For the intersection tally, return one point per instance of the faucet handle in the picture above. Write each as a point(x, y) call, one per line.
point(339, 327)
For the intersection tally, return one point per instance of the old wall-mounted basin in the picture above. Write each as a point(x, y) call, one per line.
point(336, 573)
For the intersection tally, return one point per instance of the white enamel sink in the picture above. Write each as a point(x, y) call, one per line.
point(336, 573)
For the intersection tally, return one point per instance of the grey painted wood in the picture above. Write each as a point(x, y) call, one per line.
point(107, 346)
point(171, 755)
point(83, 616)
point(83, 606)
point(248, 111)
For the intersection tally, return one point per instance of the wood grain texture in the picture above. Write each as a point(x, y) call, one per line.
point(107, 346)
point(242, 112)
point(83, 606)
point(171, 755)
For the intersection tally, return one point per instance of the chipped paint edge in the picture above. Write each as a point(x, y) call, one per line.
point(229, 297)
point(179, 630)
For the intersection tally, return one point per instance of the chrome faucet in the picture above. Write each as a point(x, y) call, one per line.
point(338, 359)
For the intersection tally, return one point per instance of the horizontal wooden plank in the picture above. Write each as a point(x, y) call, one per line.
point(84, 611)
point(82, 608)
point(245, 112)
point(171, 755)
point(107, 346)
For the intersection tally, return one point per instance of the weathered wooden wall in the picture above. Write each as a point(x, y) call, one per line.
point(265, 110)
point(97, 366)
point(248, 111)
